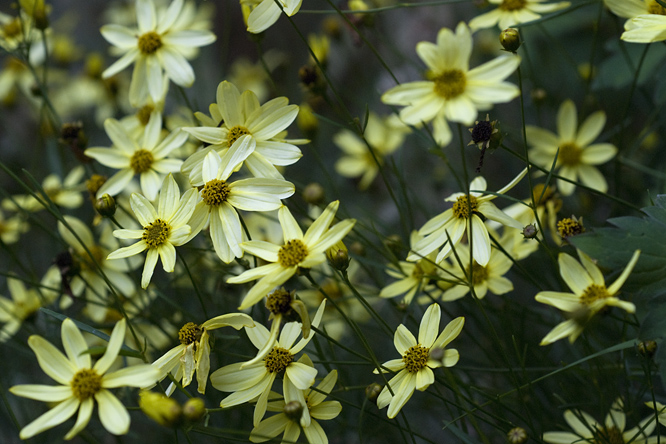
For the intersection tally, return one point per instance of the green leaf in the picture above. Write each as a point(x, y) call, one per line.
point(612, 247)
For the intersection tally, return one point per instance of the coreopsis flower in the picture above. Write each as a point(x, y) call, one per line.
point(612, 430)
point(420, 275)
point(484, 279)
point(11, 228)
point(465, 217)
point(64, 193)
point(23, 304)
point(260, 15)
point(310, 404)
point(221, 199)
point(590, 294)
point(81, 383)
point(452, 91)
point(163, 230)
point(193, 353)
point(299, 251)
point(514, 12)
point(645, 22)
point(384, 135)
point(254, 381)
point(90, 256)
point(416, 365)
point(575, 156)
point(235, 115)
point(147, 156)
point(159, 44)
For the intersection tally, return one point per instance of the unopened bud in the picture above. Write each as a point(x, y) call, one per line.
point(530, 231)
point(293, 410)
point(162, 409)
point(313, 193)
point(510, 39)
point(517, 435)
point(106, 205)
point(372, 392)
point(194, 409)
point(338, 256)
point(647, 348)
point(357, 248)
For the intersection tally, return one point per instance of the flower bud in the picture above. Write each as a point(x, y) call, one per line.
point(162, 409)
point(313, 193)
point(372, 392)
point(517, 435)
point(530, 231)
point(357, 248)
point(510, 39)
point(293, 410)
point(338, 256)
point(106, 205)
point(194, 409)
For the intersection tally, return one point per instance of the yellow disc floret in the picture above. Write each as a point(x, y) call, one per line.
point(608, 435)
point(569, 154)
point(215, 192)
point(149, 42)
point(292, 253)
point(479, 274)
point(278, 359)
point(450, 84)
point(594, 293)
point(235, 133)
point(141, 161)
point(465, 206)
point(156, 233)
point(512, 5)
point(189, 333)
point(656, 8)
point(416, 358)
point(85, 383)
point(143, 114)
point(279, 302)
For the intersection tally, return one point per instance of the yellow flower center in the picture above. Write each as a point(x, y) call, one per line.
point(594, 293)
point(215, 192)
point(143, 114)
point(656, 8)
point(149, 42)
point(235, 133)
point(465, 206)
point(512, 5)
point(156, 233)
point(12, 29)
point(292, 253)
point(569, 154)
point(279, 301)
point(85, 383)
point(190, 333)
point(608, 435)
point(479, 274)
point(141, 161)
point(278, 359)
point(450, 83)
point(569, 227)
point(416, 358)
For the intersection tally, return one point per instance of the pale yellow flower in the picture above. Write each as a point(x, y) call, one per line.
point(65, 193)
point(514, 12)
point(81, 383)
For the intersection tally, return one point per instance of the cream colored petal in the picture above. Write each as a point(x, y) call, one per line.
point(315, 434)
point(169, 198)
point(57, 415)
point(569, 328)
point(592, 269)
point(326, 410)
point(598, 153)
point(176, 66)
point(82, 419)
point(112, 348)
point(615, 286)
point(228, 99)
point(116, 183)
point(269, 428)
point(573, 273)
point(263, 16)
point(112, 413)
point(564, 301)
point(265, 285)
point(232, 378)
point(119, 36)
point(429, 327)
point(301, 375)
point(408, 93)
point(424, 378)
point(142, 375)
point(51, 360)
point(44, 393)
point(402, 394)
point(131, 250)
point(591, 128)
point(143, 209)
point(150, 184)
point(74, 344)
point(403, 339)
point(290, 228)
point(149, 267)
point(167, 254)
point(480, 241)
point(450, 332)
point(567, 121)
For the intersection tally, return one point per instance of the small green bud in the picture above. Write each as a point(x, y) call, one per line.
point(647, 348)
point(338, 256)
point(314, 193)
point(372, 392)
point(510, 39)
point(530, 231)
point(162, 409)
point(106, 205)
point(293, 410)
point(194, 409)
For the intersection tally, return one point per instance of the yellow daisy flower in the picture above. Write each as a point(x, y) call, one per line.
point(299, 251)
point(193, 353)
point(159, 44)
point(235, 115)
point(384, 135)
point(575, 155)
point(254, 381)
point(464, 217)
point(452, 91)
point(309, 403)
point(146, 156)
point(264, 13)
point(589, 296)
point(162, 230)
point(514, 12)
point(646, 19)
point(81, 383)
point(415, 367)
point(65, 193)
point(11, 228)
point(588, 429)
point(23, 304)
